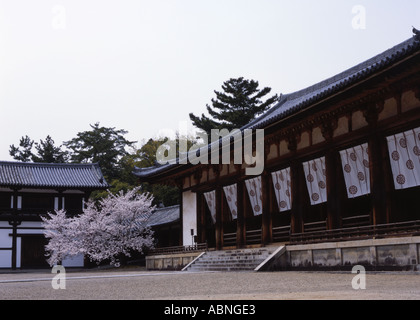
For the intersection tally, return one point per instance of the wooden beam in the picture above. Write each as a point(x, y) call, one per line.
point(240, 223)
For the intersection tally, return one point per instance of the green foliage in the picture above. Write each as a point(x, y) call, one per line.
point(238, 104)
point(24, 151)
point(47, 152)
point(105, 146)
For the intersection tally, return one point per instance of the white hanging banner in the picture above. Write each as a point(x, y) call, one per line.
point(281, 181)
point(211, 203)
point(231, 197)
point(355, 162)
point(404, 154)
point(315, 176)
point(255, 195)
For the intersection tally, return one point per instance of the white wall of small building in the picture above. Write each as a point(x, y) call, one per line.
point(189, 216)
point(5, 242)
point(33, 227)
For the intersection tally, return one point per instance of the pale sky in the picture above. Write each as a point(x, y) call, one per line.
point(143, 66)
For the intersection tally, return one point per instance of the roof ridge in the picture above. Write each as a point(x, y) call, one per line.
point(46, 164)
point(350, 71)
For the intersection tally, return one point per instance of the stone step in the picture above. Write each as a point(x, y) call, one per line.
point(249, 258)
point(231, 260)
point(223, 267)
point(239, 263)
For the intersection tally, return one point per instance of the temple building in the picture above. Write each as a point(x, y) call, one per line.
point(341, 162)
point(30, 190)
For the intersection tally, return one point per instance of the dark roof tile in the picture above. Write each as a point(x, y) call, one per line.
point(51, 175)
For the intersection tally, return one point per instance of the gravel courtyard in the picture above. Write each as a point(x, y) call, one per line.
point(143, 285)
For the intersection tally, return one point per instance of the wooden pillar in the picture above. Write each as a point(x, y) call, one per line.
point(388, 185)
point(14, 223)
point(181, 214)
point(201, 218)
point(297, 187)
point(376, 164)
point(296, 176)
point(334, 196)
point(240, 222)
point(219, 219)
point(60, 199)
point(267, 225)
point(332, 162)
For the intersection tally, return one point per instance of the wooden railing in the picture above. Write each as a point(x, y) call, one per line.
point(315, 226)
point(229, 239)
point(281, 234)
point(253, 236)
point(356, 221)
point(358, 233)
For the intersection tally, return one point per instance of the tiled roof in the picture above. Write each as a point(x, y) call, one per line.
point(163, 216)
point(294, 102)
point(48, 175)
point(290, 104)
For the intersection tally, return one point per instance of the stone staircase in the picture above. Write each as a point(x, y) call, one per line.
point(231, 260)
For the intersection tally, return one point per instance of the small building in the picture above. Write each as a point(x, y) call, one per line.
point(166, 224)
point(341, 162)
point(30, 190)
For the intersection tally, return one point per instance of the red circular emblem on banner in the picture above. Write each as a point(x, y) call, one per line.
point(366, 163)
point(401, 179)
point(395, 156)
point(310, 178)
point(347, 168)
point(353, 190)
point(410, 165)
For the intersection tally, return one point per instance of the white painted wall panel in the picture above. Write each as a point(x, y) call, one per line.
point(189, 216)
point(76, 261)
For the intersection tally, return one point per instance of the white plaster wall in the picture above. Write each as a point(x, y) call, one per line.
point(76, 261)
point(30, 224)
point(189, 216)
point(5, 242)
point(5, 259)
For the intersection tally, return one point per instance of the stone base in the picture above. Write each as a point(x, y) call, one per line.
point(170, 261)
point(375, 254)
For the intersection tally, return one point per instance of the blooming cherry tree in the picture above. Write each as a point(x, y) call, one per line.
point(114, 227)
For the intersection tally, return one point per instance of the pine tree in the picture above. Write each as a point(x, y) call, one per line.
point(48, 152)
point(238, 104)
point(102, 145)
point(24, 151)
